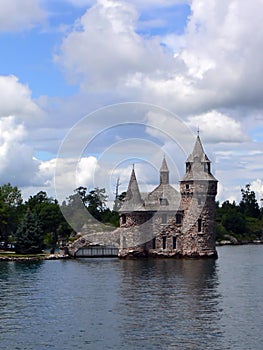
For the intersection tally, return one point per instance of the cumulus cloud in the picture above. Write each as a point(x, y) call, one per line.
point(104, 47)
point(257, 187)
point(16, 99)
point(16, 158)
point(86, 170)
point(19, 15)
point(218, 127)
point(207, 67)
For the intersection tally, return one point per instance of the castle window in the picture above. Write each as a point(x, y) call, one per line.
point(163, 201)
point(164, 218)
point(154, 243)
point(123, 219)
point(178, 218)
point(174, 242)
point(164, 242)
point(199, 225)
point(187, 186)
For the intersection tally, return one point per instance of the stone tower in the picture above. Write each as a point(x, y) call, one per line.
point(198, 190)
point(164, 173)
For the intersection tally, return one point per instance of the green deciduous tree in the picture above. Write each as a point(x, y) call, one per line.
point(49, 214)
point(10, 210)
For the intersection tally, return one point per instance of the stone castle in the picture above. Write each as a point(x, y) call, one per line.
point(167, 223)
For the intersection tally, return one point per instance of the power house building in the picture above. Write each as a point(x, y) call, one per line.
point(167, 223)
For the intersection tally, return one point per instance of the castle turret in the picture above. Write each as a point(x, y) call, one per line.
point(131, 208)
point(164, 173)
point(198, 190)
point(133, 196)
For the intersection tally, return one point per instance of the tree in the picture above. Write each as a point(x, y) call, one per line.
point(49, 214)
point(249, 205)
point(10, 210)
point(118, 201)
point(97, 199)
point(29, 235)
point(230, 220)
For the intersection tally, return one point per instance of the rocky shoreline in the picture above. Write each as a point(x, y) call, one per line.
point(34, 258)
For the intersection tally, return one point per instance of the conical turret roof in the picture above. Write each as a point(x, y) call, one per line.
point(164, 166)
point(133, 200)
point(198, 152)
point(198, 164)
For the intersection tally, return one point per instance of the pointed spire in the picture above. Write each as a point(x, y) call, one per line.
point(164, 166)
point(133, 196)
point(198, 152)
point(198, 164)
point(164, 172)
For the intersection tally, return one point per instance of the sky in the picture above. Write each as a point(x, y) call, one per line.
point(89, 88)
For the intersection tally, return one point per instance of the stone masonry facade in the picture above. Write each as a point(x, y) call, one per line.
point(171, 224)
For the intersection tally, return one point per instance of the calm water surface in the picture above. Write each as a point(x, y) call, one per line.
point(138, 304)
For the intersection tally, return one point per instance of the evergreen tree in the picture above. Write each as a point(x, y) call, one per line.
point(249, 205)
point(29, 236)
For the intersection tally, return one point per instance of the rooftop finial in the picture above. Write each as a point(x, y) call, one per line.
point(198, 131)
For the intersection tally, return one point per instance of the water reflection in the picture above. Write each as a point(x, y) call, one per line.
point(171, 303)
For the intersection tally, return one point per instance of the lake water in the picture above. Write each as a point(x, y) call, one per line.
point(134, 304)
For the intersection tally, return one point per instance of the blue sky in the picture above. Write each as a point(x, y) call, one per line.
point(194, 64)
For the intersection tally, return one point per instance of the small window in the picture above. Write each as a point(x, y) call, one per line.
point(164, 242)
point(199, 225)
point(178, 218)
point(123, 219)
point(154, 243)
point(163, 201)
point(187, 186)
point(164, 218)
point(174, 242)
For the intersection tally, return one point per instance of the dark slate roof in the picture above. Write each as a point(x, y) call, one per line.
point(163, 197)
point(164, 166)
point(198, 152)
point(133, 200)
point(199, 164)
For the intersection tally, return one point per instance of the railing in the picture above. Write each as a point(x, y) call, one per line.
point(97, 251)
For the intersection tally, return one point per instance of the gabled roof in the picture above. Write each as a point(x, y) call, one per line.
point(164, 197)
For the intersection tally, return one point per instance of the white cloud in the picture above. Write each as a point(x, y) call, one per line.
point(86, 170)
point(16, 158)
point(16, 99)
point(218, 127)
point(16, 15)
point(209, 68)
point(104, 47)
point(257, 187)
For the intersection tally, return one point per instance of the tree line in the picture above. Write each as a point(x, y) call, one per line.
point(39, 222)
point(243, 221)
